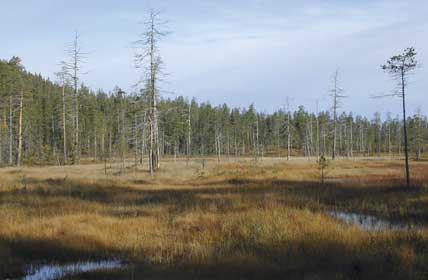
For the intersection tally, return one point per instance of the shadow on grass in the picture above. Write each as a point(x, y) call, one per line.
point(392, 200)
point(17, 253)
point(244, 259)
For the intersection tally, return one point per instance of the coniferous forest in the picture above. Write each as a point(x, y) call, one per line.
point(115, 124)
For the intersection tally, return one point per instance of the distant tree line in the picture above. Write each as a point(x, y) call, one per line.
point(36, 115)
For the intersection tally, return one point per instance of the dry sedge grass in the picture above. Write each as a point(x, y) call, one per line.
point(235, 220)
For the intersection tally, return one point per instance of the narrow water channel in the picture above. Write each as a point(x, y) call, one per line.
point(55, 271)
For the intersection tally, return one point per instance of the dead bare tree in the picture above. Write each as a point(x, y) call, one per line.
point(148, 58)
point(74, 66)
point(399, 67)
point(336, 94)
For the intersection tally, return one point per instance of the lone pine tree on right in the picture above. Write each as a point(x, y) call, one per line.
point(399, 67)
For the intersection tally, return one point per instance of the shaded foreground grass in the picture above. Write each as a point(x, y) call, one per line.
point(238, 220)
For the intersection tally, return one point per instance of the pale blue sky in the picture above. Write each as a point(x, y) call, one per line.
point(239, 52)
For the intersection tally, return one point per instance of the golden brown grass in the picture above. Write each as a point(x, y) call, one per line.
point(234, 220)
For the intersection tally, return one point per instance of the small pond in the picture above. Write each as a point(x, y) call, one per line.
point(56, 271)
point(369, 222)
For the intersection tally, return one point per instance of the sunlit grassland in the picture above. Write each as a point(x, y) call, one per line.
point(237, 219)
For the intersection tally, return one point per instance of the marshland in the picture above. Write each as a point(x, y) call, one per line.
point(213, 139)
point(267, 219)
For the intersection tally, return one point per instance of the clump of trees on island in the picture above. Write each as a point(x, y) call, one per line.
point(42, 121)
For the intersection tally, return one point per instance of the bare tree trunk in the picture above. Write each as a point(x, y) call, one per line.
point(64, 131)
point(176, 150)
point(123, 138)
point(88, 145)
point(318, 147)
point(406, 147)
point(189, 130)
point(288, 136)
point(135, 142)
point(143, 139)
point(243, 143)
point(389, 139)
point(76, 125)
point(351, 140)
point(311, 139)
point(278, 147)
point(226, 148)
point(103, 143)
point(75, 65)
point(324, 148)
point(95, 143)
point(217, 144)
point(344, 138)
point(318, 137)
point(418, 137)
point(1, 139)
point(109, 144)
point(18, 162)
point(219, 147)
point(334, 130)
point(399, 141)
point(235, 145)
point(54, 144)
point(335, 93)
point(10, 131)
point(154, 129)
point(257, 137)
point(154, 140)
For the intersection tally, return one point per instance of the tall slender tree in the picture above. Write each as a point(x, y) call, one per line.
point(74, 66)
point(148, 57)
point(336, 94)
point(21, 112)
point(399, 67)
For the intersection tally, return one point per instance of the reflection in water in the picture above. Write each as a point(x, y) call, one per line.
point(368, 222)
point(54, 271)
